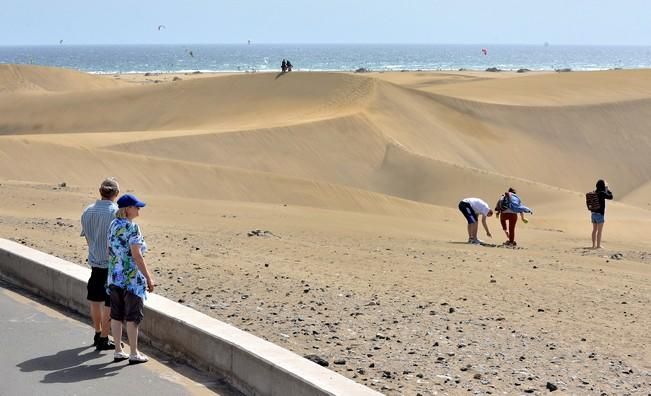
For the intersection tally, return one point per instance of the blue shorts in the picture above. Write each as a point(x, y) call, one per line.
point(467, 212)
point(598, 218)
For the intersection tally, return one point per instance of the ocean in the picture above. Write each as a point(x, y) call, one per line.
point(108, 59)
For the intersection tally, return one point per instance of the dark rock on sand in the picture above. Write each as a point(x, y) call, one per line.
point(551, 387)
point(318, 360)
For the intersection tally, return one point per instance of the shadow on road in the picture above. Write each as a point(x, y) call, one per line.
point(60, 360)
point(68, 366)
point(83, 363)
point(82, 373)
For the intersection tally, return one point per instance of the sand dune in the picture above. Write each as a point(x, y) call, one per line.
point(225, 103)
point(342, 150)
point(641, 196)
point(339, 151)
point(191, 180)
point(28, 79)
point(340, 128)
point(359, 177)
point(576, 141)
point(546, 89)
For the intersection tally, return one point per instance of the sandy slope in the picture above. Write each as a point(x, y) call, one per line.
point(26, 79)
point(358, 178)
point(226, 103)
point(530, 89)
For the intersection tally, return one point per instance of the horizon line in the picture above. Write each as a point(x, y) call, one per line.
point(543, 44)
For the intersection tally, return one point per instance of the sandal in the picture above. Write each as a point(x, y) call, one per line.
point(137, 359)
point(120, 356)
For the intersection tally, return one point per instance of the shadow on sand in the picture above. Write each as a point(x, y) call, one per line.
point(484, 244)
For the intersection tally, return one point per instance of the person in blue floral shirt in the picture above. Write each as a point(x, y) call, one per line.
point(128, 276)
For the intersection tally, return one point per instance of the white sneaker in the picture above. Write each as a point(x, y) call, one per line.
point(477, 242)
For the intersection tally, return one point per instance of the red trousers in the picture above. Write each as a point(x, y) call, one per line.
point(512, 218)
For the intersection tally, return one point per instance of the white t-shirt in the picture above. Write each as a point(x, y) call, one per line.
point(478, 205)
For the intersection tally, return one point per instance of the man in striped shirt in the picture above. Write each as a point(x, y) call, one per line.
point(95, 223)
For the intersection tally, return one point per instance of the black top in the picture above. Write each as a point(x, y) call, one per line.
point(603, 196)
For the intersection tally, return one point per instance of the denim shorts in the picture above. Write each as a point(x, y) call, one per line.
point(598, 218)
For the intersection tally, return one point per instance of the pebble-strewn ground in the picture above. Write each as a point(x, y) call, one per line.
point(405, 315)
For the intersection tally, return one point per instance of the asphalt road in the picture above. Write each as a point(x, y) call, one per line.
point(44, 351)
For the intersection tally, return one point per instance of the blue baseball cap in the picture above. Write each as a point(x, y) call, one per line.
point(130, 200)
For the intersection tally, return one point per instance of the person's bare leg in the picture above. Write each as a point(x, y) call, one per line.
point(132, 333)
point(600, 228)
point(474, 227)
point(106, 320)
point(116, 330)
point(594, 235)
point(96, 315)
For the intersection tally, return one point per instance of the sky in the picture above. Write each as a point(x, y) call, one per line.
point(591, 22)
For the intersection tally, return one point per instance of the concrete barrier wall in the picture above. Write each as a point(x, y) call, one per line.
point(252, 365)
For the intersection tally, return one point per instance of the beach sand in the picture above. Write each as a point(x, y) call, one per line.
point(356, 178)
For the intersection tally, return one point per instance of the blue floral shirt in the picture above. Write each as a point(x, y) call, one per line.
point(122, 269)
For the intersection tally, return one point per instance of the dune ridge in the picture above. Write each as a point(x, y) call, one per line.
point(31, 79)
point(545, 89)
point(223, 103)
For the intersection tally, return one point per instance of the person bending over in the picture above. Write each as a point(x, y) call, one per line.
point(472, 208)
